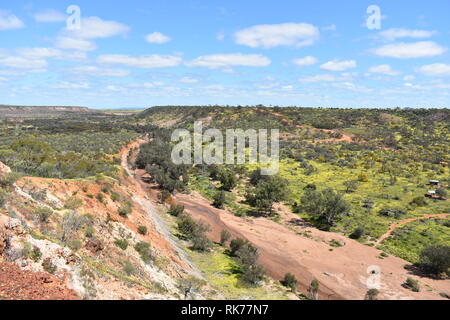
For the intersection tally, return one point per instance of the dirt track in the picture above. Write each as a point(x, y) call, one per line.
point(341, 272)
point(394, 226)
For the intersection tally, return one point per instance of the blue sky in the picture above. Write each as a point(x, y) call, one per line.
point(305, 53)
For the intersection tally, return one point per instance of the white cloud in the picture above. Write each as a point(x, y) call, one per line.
point(96, 71)
point(70, 85)
point(157, 37)
point(188, 80)
point(409, 78)
point(94, 27)
point(23, 63)
point(115, 88)
point(229, 60)
point(8, 21)
point(50, 15)
point(306, 61)
point(76, 44)
point(410, 50)
point(285, 34)
point(395, 33)
point(147, 85)
point(384, 69)
point(436, 69)
point(337, 65)
point(319, 78)
point(52, 53)
point(145, 62)
point(39, 53)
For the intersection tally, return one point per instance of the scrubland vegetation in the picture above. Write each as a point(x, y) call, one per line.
point(359, 186)
point(355, 172)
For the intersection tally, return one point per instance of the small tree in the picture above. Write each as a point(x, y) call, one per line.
point(236, 244)
point(228, 179)
point(372, 294)
point(314, 290)
point(176, 210)
point(290, 281)
point(358, 233)
point(435, 260)
point(224, 237)
point(350, 186)
point(326, 205)
point(441, 192)
point(71, 223)
point(266, 193)
point(43, 214)
point(190, 285)
point(219, 199)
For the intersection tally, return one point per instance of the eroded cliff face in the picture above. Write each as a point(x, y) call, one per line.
point(95, 238)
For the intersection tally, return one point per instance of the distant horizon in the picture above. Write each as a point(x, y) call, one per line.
point(212, 105)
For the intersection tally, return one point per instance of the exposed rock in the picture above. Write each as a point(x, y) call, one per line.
point(15, 226)
point(4, 169)
point(94, 245)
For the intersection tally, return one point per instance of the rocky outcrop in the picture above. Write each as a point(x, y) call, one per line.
point(4, 169)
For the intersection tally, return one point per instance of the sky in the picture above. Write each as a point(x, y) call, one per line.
point(137, 54)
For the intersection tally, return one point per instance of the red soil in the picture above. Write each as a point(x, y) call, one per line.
point(17, 284)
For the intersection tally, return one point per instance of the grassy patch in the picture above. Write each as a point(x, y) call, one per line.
point(408, 241)
point(223, 273)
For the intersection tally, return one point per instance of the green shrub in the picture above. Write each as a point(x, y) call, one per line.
point(129, 268)
point(106, 188)
point(89, 232)
point(435, 260)
point(392, 212)
point(290, 281)
point(9, 179)
point(4, 197)
point(358, 233)
point(219, 199)
point(372, 294)
point(419, 202)
point(49, 266)
point(35, 254)
point(237, 244)
point(194, 231)
point(145, 251)
point(142, 230)
point(125, 210)
point(121, 243)
point(444, 295)
point(74, 244)
point(43, 214)
point(115, 196)
point(224, 237)
point(163, 196)
point(412, 284)
point(73, 203)
point(176, 210)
